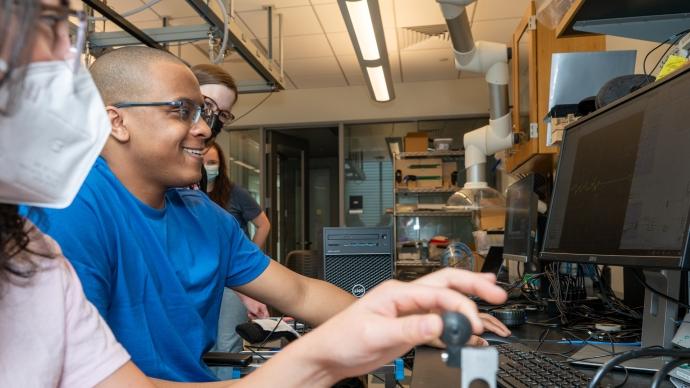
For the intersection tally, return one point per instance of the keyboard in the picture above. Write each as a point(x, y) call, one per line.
point(521, 366)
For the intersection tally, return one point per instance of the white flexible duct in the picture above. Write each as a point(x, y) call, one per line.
point(221, 54)
point(491, 59)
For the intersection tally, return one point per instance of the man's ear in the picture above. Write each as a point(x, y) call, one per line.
point(118, 130)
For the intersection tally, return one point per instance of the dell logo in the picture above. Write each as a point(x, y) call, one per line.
point(358, 290)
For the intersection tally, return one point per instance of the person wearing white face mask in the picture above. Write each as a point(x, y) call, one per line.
point(51, 336)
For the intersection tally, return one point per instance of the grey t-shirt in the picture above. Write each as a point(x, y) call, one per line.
point(243, 207)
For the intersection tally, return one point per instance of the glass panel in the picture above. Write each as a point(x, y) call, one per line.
point(243, 162)
point(523, 48)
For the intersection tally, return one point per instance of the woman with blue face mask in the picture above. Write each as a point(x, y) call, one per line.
point(52, 128)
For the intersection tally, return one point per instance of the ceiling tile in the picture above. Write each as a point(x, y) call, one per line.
point(497, 9)
point(241, 71)
point(187, 21)
point(331, 18)
point(495, 30)
point(312, 66)
point(296, 21)
point(391, 37)
point(174, 8)
point(342, 45)
point(394, 61)
point(319, 81)
point(352, 70)
point(306, 46)
point(418, 13)
point(387, 13)
point(190, 54)
point(428, 65)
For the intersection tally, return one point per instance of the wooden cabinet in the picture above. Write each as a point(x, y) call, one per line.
point(533, 44)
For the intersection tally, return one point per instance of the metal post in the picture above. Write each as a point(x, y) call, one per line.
point(280, 43)
point(341, 174)
point(270, 31)
point(166, 22)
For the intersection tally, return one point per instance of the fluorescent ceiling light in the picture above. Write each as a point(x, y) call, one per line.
point(245, 165)
point(378, 83)
point(364, 29)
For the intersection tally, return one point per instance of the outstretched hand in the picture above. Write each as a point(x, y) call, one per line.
point(394, 317)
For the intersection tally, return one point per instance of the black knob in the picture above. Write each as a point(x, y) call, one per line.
point(456, 329)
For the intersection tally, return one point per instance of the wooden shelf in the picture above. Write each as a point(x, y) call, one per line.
point(431, 213)
point(422, 190)
point(417, 263)
point(430, 154)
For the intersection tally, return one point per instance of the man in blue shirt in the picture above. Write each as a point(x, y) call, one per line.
point(152, 258)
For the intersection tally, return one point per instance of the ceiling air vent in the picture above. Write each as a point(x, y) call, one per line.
point(410, 36)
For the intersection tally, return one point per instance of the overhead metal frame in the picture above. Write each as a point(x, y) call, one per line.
point(161, 35)
point(123, 23)
point(248, 50)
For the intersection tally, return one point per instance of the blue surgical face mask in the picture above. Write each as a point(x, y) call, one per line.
point(211, 172)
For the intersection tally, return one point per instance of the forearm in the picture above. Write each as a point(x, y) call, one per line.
point(263, 226)
point(298, 365)
point(309, 300)
point(214, 384)
point(260, 235)
point(323, 300)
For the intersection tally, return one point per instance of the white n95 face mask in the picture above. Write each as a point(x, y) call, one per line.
point(51, 137)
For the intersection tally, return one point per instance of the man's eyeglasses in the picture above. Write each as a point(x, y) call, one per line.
point(188, 110)
point(57, 19)
point(225, 116)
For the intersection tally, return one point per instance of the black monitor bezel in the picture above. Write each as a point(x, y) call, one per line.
point(528, 181)
point(641, 261)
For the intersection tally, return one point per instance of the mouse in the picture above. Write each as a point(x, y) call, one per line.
point(495, 339)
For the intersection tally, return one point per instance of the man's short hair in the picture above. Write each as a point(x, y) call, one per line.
point(123, 74)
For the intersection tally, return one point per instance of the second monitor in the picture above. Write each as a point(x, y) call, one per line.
point(523, 226)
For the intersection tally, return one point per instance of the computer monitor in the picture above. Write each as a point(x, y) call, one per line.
point(622, 194)
point(520, 230)
point(622, 191)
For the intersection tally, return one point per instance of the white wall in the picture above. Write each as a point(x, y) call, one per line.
point(414, 101)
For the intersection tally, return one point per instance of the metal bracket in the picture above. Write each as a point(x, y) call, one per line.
point(123, 23)
point(247, 49)
point(532, 23)
point(533, 130)
point(479, 367)
point(161, 35)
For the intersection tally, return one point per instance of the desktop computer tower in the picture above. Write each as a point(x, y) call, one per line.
point(357, 259)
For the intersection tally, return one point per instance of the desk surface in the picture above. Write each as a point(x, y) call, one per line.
point(429, 371)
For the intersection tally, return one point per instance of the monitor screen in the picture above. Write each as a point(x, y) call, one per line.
point(521, 220)
point(622, 192)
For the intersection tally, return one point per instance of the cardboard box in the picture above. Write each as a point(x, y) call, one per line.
point(429, 172)
point(448, 169)
point(478, 262)
point(416, 142)
point(492, 219)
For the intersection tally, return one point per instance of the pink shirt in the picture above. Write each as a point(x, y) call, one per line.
point(50, 335)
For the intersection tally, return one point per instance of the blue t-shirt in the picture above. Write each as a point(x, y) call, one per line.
point(243, 207)
point(155, 275)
